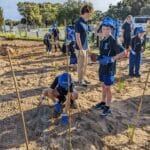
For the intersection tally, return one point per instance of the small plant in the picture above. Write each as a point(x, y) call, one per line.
point(121, 84)
point(131, 129)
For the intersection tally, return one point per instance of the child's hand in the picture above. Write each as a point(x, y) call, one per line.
point(44, 93)
point(81, 52)
point(122, 39)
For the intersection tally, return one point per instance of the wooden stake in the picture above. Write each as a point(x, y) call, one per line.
point(139, 110)
point(19, 102)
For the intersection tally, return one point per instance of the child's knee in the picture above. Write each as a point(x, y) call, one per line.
point(48, 93)
point(104, 87)
point(45, 92)
point(53, 93)
point(107, 88)
point(74, 95)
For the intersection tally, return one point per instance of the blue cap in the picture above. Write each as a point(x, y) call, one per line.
point(139, 30)
point(63, 80)
point(108, 21)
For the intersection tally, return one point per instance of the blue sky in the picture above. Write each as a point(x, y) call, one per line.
point(10, 6)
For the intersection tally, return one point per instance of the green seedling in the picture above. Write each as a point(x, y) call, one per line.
point(121, 84)
point(131, 129)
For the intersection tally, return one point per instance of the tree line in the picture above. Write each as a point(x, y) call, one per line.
point(44, 14)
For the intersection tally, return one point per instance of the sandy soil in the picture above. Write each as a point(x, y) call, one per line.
point(35, 71)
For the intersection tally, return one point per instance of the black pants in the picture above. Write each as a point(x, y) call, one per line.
point(48, 47)
point(127, 42)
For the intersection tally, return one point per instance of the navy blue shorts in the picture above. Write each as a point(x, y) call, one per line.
point(106, 74)
point(107, 80)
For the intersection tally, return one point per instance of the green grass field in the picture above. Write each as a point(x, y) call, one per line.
point(12, 36)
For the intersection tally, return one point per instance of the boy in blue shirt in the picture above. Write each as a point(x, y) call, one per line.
point(137, 47)
point(71, 47)
point(55, 32)
point(58, 92)
point(47, 41)
point(73, 57)
point(81, 30)
point(110, 51)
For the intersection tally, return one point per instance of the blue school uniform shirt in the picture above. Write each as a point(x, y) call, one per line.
point(60, 89)
point(137, 44)
point(109, 47)
point(82, 27)
point(70, 34)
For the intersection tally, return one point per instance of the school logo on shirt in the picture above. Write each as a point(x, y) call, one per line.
point(106, 46)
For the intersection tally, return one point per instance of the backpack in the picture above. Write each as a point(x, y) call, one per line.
point(70, 33)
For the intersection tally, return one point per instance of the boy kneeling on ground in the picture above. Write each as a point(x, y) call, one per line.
point(58, 92)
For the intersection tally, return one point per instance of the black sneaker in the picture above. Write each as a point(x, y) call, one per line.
point(73, 104)
point(106, 111)
point(100, 106)
point(131, 75)
point(138, 76)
